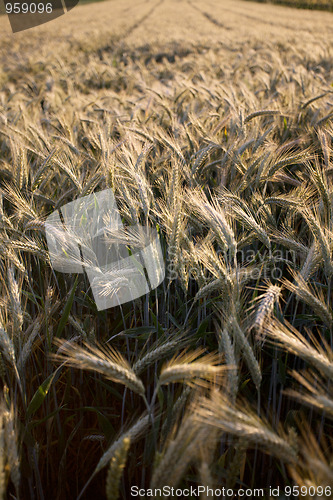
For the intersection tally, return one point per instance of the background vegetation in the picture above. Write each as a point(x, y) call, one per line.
point(223, 142)
point(304, 4)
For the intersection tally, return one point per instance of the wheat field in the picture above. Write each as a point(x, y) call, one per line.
point(212, 122)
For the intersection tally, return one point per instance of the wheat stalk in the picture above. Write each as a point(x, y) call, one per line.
point(105, 360)
point(217, 412)
point(190, 368)
point(117, 464)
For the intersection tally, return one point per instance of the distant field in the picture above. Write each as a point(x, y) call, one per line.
point(212, 122)
point(304, 4)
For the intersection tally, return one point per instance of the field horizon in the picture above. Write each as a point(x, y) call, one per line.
point(212, 124)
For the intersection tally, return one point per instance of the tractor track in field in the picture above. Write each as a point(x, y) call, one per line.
point(250, 17)
point(136, 5)
point(208, 16)
point(142, 19)
point(130, 30)
point(219, 24)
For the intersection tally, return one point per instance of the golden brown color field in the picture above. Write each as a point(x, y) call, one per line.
point(212, 122)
